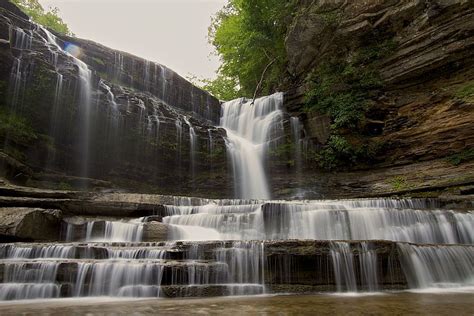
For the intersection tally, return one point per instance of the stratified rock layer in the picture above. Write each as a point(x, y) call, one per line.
point(421, 117)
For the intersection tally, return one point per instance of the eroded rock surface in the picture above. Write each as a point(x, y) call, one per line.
point(29, 223)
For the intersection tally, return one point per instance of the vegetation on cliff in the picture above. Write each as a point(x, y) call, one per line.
point(49, 19)
point(343, 87)
point(249, 36)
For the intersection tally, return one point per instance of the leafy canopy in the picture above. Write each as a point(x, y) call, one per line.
point(249, 35)
point(49, 19)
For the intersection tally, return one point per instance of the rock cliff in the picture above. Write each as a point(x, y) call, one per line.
point(423, 115)
point(76, 114)
point(73, 112)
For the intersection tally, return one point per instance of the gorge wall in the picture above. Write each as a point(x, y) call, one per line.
point(76, 114)
point(421, 118)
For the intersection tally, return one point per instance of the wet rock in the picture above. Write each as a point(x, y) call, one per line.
point(155, 231)
point(154, 218)
point(30, 224)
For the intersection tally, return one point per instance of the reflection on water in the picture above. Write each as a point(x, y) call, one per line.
point(388, 303)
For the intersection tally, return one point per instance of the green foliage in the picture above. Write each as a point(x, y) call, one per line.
point(249, 35)
point(339, 90)
point(49, 19)
point(283, 150)
point(218, 153)
point(224, 88)
point(330, 18)
point(99, 61)
point(343, 87)
point(464, 156)
point(466, 92)
point(64, 186)
point(339, 153)
point(16, 128)
point(399, 183)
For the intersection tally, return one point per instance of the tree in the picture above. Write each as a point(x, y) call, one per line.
point(249, 37)
point(49, 19)
point(223, 88)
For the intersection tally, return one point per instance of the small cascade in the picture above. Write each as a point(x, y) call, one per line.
point(250, 130)
point(355, 267)
point(146, 75)
point(369, 267)
point(179, 140)
point(16, 78)
point(106, 231)
point(20, 40)
point(343, 265)
point(383, 219)
point(296, 130)
point(57, 95)
point(113, 111)
point(85, 95)
point(164, 82)
point(438, 266)
point(118, 66)
point(213, 222)
point(29, 280)
point(367, 220)
point(118, 278)
point(192, 146)
point(110, 95)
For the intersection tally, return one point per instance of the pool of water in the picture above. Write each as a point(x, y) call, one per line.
point(404, 303)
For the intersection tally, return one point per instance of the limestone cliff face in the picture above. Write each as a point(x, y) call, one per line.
point(424, 114)
point(104, 115)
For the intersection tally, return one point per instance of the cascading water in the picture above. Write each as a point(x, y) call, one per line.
point(219, 245)
point(107, 231)
point(325, 220)
point(192, 146)
point(110, 259)
point(250, 130)
point(296, 130)
point(438, 266)
point(85, 95)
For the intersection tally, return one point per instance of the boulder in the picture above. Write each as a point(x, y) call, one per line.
point(29, 224)
point(155, 231)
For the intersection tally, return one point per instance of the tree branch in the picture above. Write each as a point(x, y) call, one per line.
point(261, 81)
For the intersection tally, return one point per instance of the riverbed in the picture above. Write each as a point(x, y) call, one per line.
point(405, 303)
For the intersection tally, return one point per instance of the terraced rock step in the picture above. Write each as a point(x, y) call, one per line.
point(226, 267)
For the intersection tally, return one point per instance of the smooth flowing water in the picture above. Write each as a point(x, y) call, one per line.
point(388, 304)
point(109, 258)
point(251, 128)
point(230, 247)
point(379, 219)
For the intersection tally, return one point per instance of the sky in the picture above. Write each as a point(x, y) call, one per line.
point(170, 32)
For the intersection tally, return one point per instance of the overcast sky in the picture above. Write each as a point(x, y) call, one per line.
point(171, 32)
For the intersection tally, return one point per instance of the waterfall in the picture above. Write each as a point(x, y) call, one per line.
point(250, 130)
point(85, 95)
point(110, 231)
point(216, 222)
point(381, 219)
point(296, 129)
point(438, 266)
point(367, 220)
point(20, 40)
point(343, 265)
point(192, 147)
point(110, 260)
